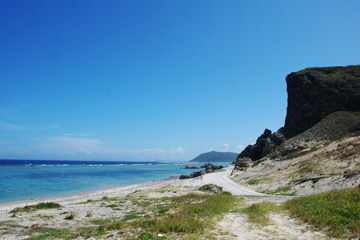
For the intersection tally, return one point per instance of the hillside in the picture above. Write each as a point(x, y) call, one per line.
point(216, 157)
point(317, 169)
point(318, 149)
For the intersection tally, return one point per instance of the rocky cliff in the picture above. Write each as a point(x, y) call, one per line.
point(313, 94)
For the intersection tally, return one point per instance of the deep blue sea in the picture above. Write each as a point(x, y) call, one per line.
point(30, 179)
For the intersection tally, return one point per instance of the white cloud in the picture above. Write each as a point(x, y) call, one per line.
point(210, 149)
point(240, 148)
point(68, 144)
point(74, 147)
point(177, 151)
point(226, 147)
point(77, 134)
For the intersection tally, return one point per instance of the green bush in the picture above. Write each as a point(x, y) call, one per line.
point(39, 206)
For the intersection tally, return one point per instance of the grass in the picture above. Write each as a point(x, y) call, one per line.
point(189, 218)
point(281, 190)
point(253, 182)
point(39, 206)
point(336, 212)
point(257, 212)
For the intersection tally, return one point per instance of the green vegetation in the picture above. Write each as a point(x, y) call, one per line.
point(39, 206)
point(337, 212)
point(253, 182)
point(189, 214)
point(189, 218)
point(257, 212)
point(281, 190)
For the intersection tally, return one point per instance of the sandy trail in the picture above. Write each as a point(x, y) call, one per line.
point(220, 178)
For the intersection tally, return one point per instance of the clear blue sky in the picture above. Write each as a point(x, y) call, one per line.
point(157, 80)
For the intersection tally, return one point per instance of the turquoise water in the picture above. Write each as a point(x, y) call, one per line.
point(24, 180)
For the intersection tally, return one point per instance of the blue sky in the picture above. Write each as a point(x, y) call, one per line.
point(157, 80)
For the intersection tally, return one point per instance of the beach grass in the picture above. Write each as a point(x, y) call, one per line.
point(190, 214)
point(258, 212)
point(39, 206)
point(336, 212)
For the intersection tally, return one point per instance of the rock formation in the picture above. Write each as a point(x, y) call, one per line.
point(243, 163)
point(313, 94)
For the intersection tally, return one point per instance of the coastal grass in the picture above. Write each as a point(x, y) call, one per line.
point(258, 212)
point(285, 191)
point(189, 214)
point(194, 213)
point(39, 206)
point(336, 212)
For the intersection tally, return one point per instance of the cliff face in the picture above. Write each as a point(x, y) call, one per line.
point(313, 94)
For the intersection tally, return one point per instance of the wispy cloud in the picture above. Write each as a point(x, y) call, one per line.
point(10, 127)
point(77, 134)
point(177, 151)
point(8, 113)
point(226, 147)
point(48, 127)
point(240, 148)
point(74, 147)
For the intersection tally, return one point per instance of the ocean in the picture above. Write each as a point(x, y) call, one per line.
point(31, 179)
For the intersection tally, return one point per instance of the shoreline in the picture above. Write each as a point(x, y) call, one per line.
point(118, 191)
point(123, 190)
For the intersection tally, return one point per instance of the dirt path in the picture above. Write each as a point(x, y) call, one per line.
point(221, 178)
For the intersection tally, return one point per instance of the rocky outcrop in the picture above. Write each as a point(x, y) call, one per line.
point(243, 163)
point(193, 175)
point(209, 167)
point(191, 167)
point(313, 94)
point(264, 145)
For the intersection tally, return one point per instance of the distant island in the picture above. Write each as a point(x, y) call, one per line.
point(216, 157)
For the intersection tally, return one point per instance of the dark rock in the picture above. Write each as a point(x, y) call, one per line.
point(265, 144)
point(209, 170)
point(211, 188)
point(193, 175)
point(191, 167)
point(314, 93)
point(210, 166)
point(355, 127)
point(185, 176)
point(243, 163)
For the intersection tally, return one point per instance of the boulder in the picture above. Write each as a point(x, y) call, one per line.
point(191, 167)
point(211, 188)
point(210, 166)
point(243, 163)
point(193, 175)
